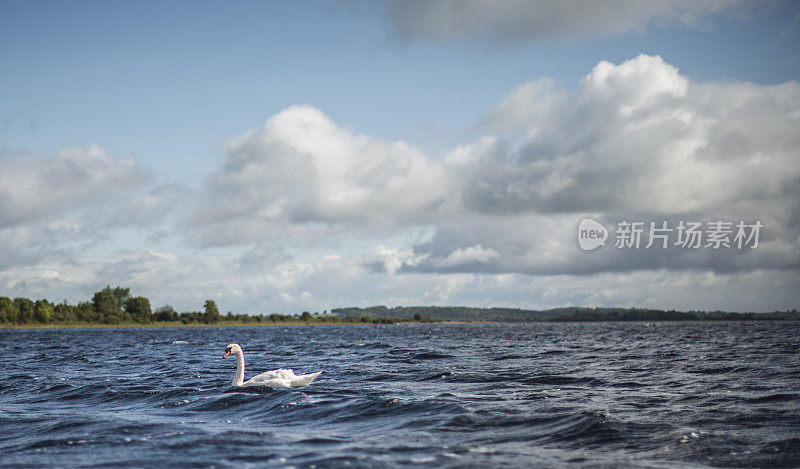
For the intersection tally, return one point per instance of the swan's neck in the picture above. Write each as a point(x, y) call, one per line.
point(239, 378)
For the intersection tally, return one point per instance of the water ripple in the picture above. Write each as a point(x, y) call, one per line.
point(482, 395)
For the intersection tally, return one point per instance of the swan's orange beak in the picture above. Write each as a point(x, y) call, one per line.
point(227, 352)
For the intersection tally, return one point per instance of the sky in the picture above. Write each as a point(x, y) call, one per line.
point(304, 156)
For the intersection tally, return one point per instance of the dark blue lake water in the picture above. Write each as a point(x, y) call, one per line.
point(521, 395)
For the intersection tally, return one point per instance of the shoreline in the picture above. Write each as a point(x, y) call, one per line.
point(345, 323)
point(220, 324)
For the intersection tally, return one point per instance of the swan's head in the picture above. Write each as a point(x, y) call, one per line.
point(232, 348)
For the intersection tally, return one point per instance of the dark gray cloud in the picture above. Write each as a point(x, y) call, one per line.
point(520, 20)
point(25, 246)
point(263, 258)
point(547, 245)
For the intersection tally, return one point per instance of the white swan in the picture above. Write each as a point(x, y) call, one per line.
point(274, 379)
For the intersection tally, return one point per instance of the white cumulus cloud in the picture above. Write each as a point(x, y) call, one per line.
point(302, 169)
point(307, 214)
point(637, 140)
point(34, 188)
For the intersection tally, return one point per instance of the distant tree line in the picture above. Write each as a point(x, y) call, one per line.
point(116, 306)
point(108, 306)
point(467, 314)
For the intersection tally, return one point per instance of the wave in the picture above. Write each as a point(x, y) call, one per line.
point(506, 395)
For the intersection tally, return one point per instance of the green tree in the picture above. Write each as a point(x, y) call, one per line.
point(64, 312)
point(166, 313)
point(139, 309)
point(8, 312)
point(25, 308)
point(105, 305)
point(120, 295)
point(212, 313)
point(85, 312)
point(43, 311)
point(305, 316)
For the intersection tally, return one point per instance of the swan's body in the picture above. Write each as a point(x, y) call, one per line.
point(274, 379)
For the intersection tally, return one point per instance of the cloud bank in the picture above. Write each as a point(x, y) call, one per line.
point(50, 205)
point(307, 213)
point(636, 139)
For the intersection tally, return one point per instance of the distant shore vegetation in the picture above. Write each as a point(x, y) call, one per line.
point(568, 314)
point(116, 306)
